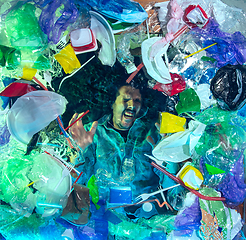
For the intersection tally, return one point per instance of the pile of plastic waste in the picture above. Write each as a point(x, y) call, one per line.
point(193, 51)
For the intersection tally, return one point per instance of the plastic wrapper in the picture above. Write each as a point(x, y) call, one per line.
point(124, 55)
point(179, 146)
point(233, 186)
point(32, 112)
point(68, 59)
point(188, 219)
point(218, 220)
point(229, 48)
point(188, 101)
point(228, 86)
point(41, 173)
point(176, 86)
point(57, 16)
point(9, 57)
point(77, 208)
point(171, 123)
point(22, 28)
point(126, 11)
point(17, 89)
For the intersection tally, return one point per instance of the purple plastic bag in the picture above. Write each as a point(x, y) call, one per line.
point(233, 187)
point(188, 220)
point(54, 27)
point(230, 48)
point(4, 135)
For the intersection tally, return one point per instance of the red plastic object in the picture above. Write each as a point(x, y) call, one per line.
point(17, 89)
point(84, 40)
point(183, 185)
point(176, 86)
point(188, 10)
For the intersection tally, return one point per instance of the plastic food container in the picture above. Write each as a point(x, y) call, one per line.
point(83, 40)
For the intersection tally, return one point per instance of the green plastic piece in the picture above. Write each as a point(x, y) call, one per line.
point(23, 30)
point(42, 63)
point(93, 191)
point(189, 102)
point(213, 170)
point(204, 58)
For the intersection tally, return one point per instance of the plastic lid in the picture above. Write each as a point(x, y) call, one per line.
point(147, 207)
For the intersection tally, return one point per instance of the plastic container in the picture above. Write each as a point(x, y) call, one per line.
point(83, 40)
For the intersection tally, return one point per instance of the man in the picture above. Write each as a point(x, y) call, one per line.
point(114, 146)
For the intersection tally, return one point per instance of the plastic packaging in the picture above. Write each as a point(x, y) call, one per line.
point(23, 30)
point(230, 48)
point(179, 146)
point(77, 208)
point(218, 220)
point(17, 89)
point(83, 40)
point(191, 176)
point(32, 112)
point(126, 11)
point(68, 59)
point(176, 86)
point(233, 187)
point(188, 219)
point(103, 33)
point(9, 57)
point(188, 102)
point(171, 123)
point(153, 66)
point(55, 18)
point(227, 87)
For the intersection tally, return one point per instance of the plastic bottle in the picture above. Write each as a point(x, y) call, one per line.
point(128, 170)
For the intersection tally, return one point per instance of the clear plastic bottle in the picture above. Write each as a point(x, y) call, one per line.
point(128, 170)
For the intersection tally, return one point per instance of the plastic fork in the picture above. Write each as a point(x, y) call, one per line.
point(65, 172)
point(145, 196)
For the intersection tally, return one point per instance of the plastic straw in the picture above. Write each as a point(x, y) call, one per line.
point(200, 50)
point(75, 121)
point(134, 73)
point(182, 184)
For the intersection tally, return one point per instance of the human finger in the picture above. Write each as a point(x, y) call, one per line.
point(150, 140)
point(94, 128)
point(74, 117)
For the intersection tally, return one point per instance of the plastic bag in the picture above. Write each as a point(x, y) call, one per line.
point(125, 11)
point(179, 146)
point(32, 112)
point(228, 87)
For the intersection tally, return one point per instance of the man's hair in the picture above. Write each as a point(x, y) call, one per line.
point(95, 88)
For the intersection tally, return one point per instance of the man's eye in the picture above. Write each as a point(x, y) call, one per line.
point(126, 100)
point(137, 100)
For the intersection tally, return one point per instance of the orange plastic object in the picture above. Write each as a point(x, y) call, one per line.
point(68, 59)
point(171, 123)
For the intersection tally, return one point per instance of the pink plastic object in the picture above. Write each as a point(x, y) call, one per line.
point(83, 40)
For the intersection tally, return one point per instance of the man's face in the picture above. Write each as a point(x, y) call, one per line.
point(126, 107)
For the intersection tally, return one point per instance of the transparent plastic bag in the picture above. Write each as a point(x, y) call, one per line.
point(32, 112)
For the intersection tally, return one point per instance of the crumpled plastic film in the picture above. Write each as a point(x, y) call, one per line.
point(218, 220)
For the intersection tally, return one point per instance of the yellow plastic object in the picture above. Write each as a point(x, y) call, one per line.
point(191, 176)
point(171, 123)
point(28, 73)
point(68, 59)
